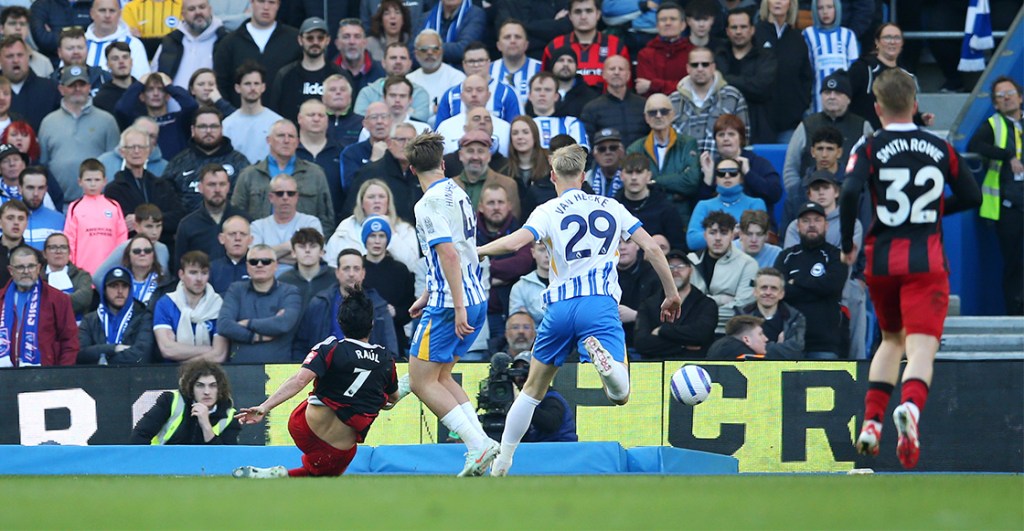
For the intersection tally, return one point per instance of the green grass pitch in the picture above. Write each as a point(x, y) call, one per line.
point(885, 501)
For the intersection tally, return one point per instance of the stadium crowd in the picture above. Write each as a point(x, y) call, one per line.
point(209, 179)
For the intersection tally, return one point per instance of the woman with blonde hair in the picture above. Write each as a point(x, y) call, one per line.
point(794, 77)
point(374, 198)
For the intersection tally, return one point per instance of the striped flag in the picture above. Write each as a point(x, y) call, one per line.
point(977, 37)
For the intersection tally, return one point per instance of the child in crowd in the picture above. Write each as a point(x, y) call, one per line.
point(95, 224)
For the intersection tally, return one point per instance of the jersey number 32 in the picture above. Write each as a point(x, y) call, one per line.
point(916, 211)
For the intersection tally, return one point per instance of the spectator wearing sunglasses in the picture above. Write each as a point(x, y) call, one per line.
point(259, 316)
point(672, 156)
point(730, 199)
point(702, 97)
point(276, 230)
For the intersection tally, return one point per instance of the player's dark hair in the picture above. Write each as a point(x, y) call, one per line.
point(191, 371)
point(742, 324)
point(827, 134)
point(723, 219)
point(355, 315)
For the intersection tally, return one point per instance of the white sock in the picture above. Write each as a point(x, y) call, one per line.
point(617, 383)
point(470, 412)
point(516, 423)
point(456, 420)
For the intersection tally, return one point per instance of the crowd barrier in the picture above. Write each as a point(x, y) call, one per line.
point(770, 416)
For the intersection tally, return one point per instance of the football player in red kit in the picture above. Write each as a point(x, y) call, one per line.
point(906, 170)
point(352, 382)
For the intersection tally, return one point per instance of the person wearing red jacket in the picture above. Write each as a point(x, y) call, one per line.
point(663, 62)
point(591, 46)
point(37, 324)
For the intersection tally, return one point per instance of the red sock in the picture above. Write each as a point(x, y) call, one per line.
point(916, 391)
point(300, 472)
point(876, 400)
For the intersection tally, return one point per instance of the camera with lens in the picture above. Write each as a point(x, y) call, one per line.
point(497, 393)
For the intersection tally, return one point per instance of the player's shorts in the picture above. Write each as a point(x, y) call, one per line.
point(318, 457)
point(915, 302)
point(573, 320)
point(435, 338)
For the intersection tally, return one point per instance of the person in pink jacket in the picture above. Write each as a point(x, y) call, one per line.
point(95, 225)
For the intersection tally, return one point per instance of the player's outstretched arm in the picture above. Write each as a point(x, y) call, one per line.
point(654, 255)
point(507, 244)
point(291, 387)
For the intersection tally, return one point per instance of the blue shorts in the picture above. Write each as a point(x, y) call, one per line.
point(573, 320)
point(435, 338)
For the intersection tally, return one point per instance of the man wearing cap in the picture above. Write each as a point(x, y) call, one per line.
point(190, 46)
point(835, 105)
point(389, 277)
point(12, 162)
point(261, 39)
point(822, 188)
point(353, 58)
point(120, 331)
point(63, 150)
point(72, 49)
point(606, 176)
point(303, 79)
point(36, 319)
point(573, 91)
point(475, 154)
point(553, 419)
point(815, 277)
point(32, 96)
point(619, 107)
point(591, 46)
point(690, 335)
point(702, 96)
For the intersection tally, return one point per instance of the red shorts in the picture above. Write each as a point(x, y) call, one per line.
point(318, 457)
point(916, 302)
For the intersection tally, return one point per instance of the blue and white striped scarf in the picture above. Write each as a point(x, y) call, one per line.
point(977, 37)
point(435, 19)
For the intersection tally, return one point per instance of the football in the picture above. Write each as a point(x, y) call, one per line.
point(690, 385)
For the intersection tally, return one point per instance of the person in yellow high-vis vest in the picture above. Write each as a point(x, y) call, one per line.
point(199, 412)
point(999, 141)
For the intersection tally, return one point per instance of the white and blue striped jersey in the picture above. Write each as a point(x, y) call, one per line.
point(829, 50)
point(503, 102)
point(551, 126)
point(518, 80)
point(582, 234)
point(445, 214)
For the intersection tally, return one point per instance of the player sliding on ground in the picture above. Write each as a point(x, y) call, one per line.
point(906, 170)
point(582, 234)
point(353, 382)
point(453, 307)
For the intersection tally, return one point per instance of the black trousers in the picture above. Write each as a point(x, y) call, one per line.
point(1010, 231)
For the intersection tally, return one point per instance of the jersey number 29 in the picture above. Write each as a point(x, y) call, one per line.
point(588, 225)
point(917, 212)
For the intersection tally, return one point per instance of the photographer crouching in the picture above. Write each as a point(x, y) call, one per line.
point(553, 420)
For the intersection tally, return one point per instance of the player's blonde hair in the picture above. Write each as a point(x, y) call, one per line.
point(895, 91)
point(568, 162)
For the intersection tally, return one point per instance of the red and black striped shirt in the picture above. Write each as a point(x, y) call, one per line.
point(906, 170)
point(589, 58)
point(352, 377)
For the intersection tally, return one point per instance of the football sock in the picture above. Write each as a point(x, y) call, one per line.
point(617, 383)
point(916, 391)
point(456, 420)
point(470, 412)
point(516, 423)
point(876, 400)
